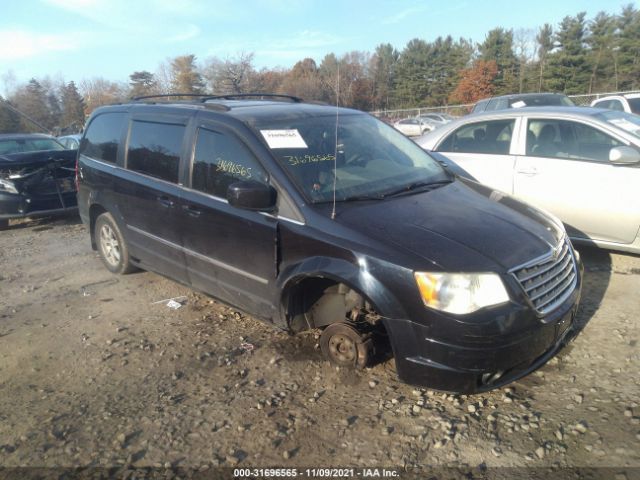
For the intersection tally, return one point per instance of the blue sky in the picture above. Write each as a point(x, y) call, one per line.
point(76, 39)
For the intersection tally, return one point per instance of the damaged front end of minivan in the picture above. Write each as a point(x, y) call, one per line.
point(37, 184)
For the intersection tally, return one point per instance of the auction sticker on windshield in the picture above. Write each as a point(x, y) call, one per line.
point(284, 138)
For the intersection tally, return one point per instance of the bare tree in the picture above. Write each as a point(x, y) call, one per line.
point(524, 45)
point(10, 82)
point(232, 75)
point(100, 91)
point(163, 77)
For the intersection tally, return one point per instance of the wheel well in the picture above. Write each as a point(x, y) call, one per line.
point(94, 212)
point(317, 302)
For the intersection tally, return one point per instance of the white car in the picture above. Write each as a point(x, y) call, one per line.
point(413, 127)
point(438, 119)
point(580, 163)
point(629, 103)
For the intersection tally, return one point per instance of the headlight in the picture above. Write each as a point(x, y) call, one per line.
point(460, 292)
point(7, 186)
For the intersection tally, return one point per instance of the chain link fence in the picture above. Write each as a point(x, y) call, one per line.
point(583, 100)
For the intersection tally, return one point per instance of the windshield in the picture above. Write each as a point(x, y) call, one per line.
point(22, 145)
point(372, 159)
point(623, 120)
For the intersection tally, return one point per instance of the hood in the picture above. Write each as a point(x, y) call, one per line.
point(462, 226)
point(14, 160)
point(40, 172)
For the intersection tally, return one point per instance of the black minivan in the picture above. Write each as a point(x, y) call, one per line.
point(316, 217)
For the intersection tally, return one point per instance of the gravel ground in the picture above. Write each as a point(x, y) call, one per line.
point(94, 373)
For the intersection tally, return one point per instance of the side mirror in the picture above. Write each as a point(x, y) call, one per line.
point(624, 155)
point(251, 195)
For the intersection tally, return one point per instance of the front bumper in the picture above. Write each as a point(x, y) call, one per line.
point(491, 362)
point(23, 205)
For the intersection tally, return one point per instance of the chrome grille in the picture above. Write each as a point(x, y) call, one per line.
point(550, 280)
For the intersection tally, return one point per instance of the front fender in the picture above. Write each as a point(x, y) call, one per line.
point(355, 275)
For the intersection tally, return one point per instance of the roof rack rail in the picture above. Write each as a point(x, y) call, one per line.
point(162, 95)
point(245, 95)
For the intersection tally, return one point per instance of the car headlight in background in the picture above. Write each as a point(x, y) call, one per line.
point(460, 293)
point(7, 186)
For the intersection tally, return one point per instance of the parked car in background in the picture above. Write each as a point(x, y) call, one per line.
point(36, 177)
point(413, 127)
point(580, 163)
point(629, 103)
point(312, 217)
point(438, 119)
point(520, 100)
point(70, 142)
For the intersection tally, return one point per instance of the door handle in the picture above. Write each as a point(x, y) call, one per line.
point(528, 170)
point(166, 202)
point(191, 210)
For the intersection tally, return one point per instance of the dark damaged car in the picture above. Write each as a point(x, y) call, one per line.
point(312, 217)
point(36, 177)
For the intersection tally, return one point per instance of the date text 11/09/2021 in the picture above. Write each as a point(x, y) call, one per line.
point(315, 472)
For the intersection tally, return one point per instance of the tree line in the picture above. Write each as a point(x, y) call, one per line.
point(579, 55)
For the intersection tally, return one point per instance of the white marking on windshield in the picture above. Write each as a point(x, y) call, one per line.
point(284, 138)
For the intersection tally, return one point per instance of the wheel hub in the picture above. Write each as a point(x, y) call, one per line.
point(109, 245)
point(342, 348)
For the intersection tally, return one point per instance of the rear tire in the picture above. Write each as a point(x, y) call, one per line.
point(112, 248)
point(345, 346)
point(4, 224)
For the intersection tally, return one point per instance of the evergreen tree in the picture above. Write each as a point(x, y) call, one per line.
point(33, 102)
point(142, 83)
point(55, 111)
point(627, 54)
point(446, 59)
point(383, 75)
point(185, 77)
point(545, 45)
point(303, 80)
point(569, 69)
point(412, 73)
point(600, 42)
point(72, 108)
point(498, 46)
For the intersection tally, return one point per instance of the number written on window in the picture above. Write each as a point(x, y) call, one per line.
point(221, 160)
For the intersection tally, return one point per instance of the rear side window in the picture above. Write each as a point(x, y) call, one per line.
point(221, 160)
point(634, 104)
point(154, 149)
point(610, 104)
point(492, 137)
point(616, 105)
point(103, 136)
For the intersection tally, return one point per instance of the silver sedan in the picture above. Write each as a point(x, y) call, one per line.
point(581, 164)
point(413, 127)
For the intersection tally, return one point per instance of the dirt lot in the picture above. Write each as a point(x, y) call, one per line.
point(94, 373)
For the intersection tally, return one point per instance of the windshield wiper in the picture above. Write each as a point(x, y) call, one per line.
point(358, 198)
point(410, 188)
point(413, 187)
